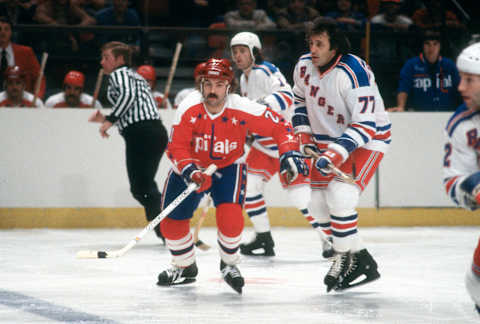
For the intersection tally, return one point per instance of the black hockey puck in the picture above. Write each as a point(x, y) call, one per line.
point(102, 254)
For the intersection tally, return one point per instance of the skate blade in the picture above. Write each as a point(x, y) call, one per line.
point(184, 282)
point(344, 286)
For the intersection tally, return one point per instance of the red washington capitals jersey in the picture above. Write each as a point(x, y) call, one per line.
point(200, 137)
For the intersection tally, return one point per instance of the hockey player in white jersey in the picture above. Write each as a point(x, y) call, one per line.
point(263, 82)
point(461, 170)
point(340, 114)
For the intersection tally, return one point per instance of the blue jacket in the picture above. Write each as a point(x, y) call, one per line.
point(434, 90)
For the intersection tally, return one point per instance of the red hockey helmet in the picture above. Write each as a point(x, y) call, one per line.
point(14, 73)
point(198, 69)
point(74, 78)
point(218, 69)
point(147, 72)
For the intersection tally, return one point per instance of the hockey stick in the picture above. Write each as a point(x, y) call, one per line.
point(339, 173)
point(89, 254)
point(173, 67)
point(97, 87)
point(38, 84)
point(199, 243)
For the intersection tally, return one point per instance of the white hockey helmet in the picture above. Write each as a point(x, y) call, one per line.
point(469, 59)
point(247, 39)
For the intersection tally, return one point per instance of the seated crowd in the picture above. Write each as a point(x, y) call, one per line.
point(432, 90)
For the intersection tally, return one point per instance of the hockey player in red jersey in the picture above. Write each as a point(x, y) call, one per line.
point(148, 73)
point(461, 168)
point(210, 127)
point(73, 95)
point(15, 94)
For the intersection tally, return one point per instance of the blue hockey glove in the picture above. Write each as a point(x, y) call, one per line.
point(291, 165)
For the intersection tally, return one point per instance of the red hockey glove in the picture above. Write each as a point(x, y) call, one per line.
point(191, 173)
point(306, 141)
point(203, 180)
point(330, 157)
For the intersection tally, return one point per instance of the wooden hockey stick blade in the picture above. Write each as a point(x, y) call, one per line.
point(202, 246)
point(90, 254)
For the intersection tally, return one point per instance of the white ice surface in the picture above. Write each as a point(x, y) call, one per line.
point(422, 280)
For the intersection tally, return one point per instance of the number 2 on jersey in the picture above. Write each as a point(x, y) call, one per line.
point(269, 114)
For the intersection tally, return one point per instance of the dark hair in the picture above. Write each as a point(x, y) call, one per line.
point(120, 49)
point(257, 56)
point(431, 34)
point(5, 20)
point(338, 39)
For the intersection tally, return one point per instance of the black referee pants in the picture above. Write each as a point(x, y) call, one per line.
point(145, 142)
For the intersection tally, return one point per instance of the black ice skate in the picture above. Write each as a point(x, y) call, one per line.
point(232, 276)
point(340, 262)
point(263, 241)
point(178, 276)
point(327, 248)
point(361, 266)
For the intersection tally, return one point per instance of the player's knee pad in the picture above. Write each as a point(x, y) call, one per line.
point(174, 229)
point(342, 198)
point(300, 195)
point(229, 219)
point(255, 185)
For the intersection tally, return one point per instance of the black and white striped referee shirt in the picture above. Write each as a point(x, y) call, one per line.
point(131, 98)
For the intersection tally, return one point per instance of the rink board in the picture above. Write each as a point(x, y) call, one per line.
point(279, 216)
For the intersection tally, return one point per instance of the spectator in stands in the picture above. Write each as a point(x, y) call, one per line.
point(273, 7)
point(15, 94)
point(90, 6)
point(247, 16)
point(22, 56)
point(429, 81)
point(72, 96)
point(119, 14)
point(324, 5)
point(346, 18)
point(433, 15)
point(148, 73)
point(182, 94)
point(62, 12)
point(297, 15)
point(389, 18)
point(18, 12)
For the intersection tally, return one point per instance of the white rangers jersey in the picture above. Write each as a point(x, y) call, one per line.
point(341, 105)
point(182, 94)
point(58, 101)
point(462, 150)
point(265, 83)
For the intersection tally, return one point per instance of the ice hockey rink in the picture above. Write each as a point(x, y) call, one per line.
point(422, 280)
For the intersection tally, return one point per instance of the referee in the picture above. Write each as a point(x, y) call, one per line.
point(136, 116)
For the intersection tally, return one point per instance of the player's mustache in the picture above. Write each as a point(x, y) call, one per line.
point(212, 95)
